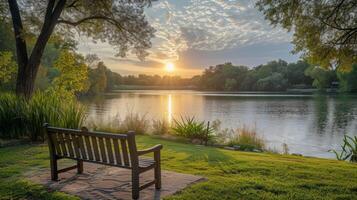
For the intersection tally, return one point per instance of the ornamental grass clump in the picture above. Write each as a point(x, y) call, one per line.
point(160, 127)
point(189, 127)
point(348, 149)
point(246, 139)
point(21, 118)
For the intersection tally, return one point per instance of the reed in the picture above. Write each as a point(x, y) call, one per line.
point(20, 118)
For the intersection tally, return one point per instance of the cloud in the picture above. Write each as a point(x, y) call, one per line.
point(197, 33)
point(210, 25)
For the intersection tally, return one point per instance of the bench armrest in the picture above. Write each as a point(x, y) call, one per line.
point(155, 148)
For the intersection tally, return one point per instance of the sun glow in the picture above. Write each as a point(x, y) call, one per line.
point(170, 67)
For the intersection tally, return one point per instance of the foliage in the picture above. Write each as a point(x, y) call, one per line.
point(25, 118)
point(7, 67)
point(244, 138)
point(324, 31)
point(274, 82)
point(247, 139)
point(322, 77)
point(131, 122)
point(73, 73)
point(160, 127)
point(135, 122)
point(189, 127)
point(273, 76)
point(348, 81)
point(105, 21)
point(348, 149)
point(229, 174)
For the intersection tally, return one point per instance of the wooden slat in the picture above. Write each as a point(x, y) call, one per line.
point(76, 146)
point(55, 143)
point(117, 151)
point(102, 149)
point(69, 144)
point(89, 148)
point(125, 152)
point(81, 147)
point(62, 143)
point(79, 132)
point(109, 150)
point(95, 148)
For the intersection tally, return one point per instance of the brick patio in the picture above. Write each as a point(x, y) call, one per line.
point(103, 182)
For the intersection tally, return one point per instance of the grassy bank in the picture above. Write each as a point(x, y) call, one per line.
point(231, 174)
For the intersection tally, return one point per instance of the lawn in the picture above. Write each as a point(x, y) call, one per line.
point(230, 174)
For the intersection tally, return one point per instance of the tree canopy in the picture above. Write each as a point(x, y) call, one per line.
point(121, 23)
point(324, 31)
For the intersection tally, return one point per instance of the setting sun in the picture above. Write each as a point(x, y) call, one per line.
point(170, 67)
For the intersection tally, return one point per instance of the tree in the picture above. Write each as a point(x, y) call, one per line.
point(73, 76)
point(322, 77)
point(121, 23)
point(7, 67)
point(98, 79)
point(324, 31)
point(348, 81)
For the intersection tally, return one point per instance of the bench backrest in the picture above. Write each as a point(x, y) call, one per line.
point(97, 147)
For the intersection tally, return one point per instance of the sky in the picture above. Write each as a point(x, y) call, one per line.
point(195, 34)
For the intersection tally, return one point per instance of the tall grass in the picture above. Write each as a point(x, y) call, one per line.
point(348, 149)
point(21, 118)
point(131, 122)
point(193, 129)
point(247, 139)
point(160, 127)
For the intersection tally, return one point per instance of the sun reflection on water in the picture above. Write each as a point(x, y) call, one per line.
point(169, 109)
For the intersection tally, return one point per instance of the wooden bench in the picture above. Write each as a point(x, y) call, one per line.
point(117, 150)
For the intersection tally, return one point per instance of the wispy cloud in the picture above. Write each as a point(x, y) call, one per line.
point(209, 25)
point(213, 30)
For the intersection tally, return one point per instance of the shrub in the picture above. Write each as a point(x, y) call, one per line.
point(246, 139)
point(21, 118)
point(190, 128)
point(348, 149)
point(160, 127)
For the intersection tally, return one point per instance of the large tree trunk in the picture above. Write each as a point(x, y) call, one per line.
point(28, 67)
point(21, 48)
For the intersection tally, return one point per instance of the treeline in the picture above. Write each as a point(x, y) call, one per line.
point(275, 76)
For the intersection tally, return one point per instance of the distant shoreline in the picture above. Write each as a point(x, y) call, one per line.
point(288, 91)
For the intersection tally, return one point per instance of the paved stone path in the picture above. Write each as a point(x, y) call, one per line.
point(103, 182)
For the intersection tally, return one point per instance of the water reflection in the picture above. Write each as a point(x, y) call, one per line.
point(310, 125)
point(169, 109)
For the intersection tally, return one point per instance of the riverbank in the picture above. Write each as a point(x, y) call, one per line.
point(230, 174)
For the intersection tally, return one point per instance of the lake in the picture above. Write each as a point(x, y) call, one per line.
point(309, 124)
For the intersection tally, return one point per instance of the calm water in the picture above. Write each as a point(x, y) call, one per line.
point(308, 124)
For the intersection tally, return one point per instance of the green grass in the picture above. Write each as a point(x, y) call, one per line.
point(230, 174)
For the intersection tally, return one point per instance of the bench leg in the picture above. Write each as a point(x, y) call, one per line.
point(54, 173)
point(79, 166)
point(135, 184)
point(157, 171)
